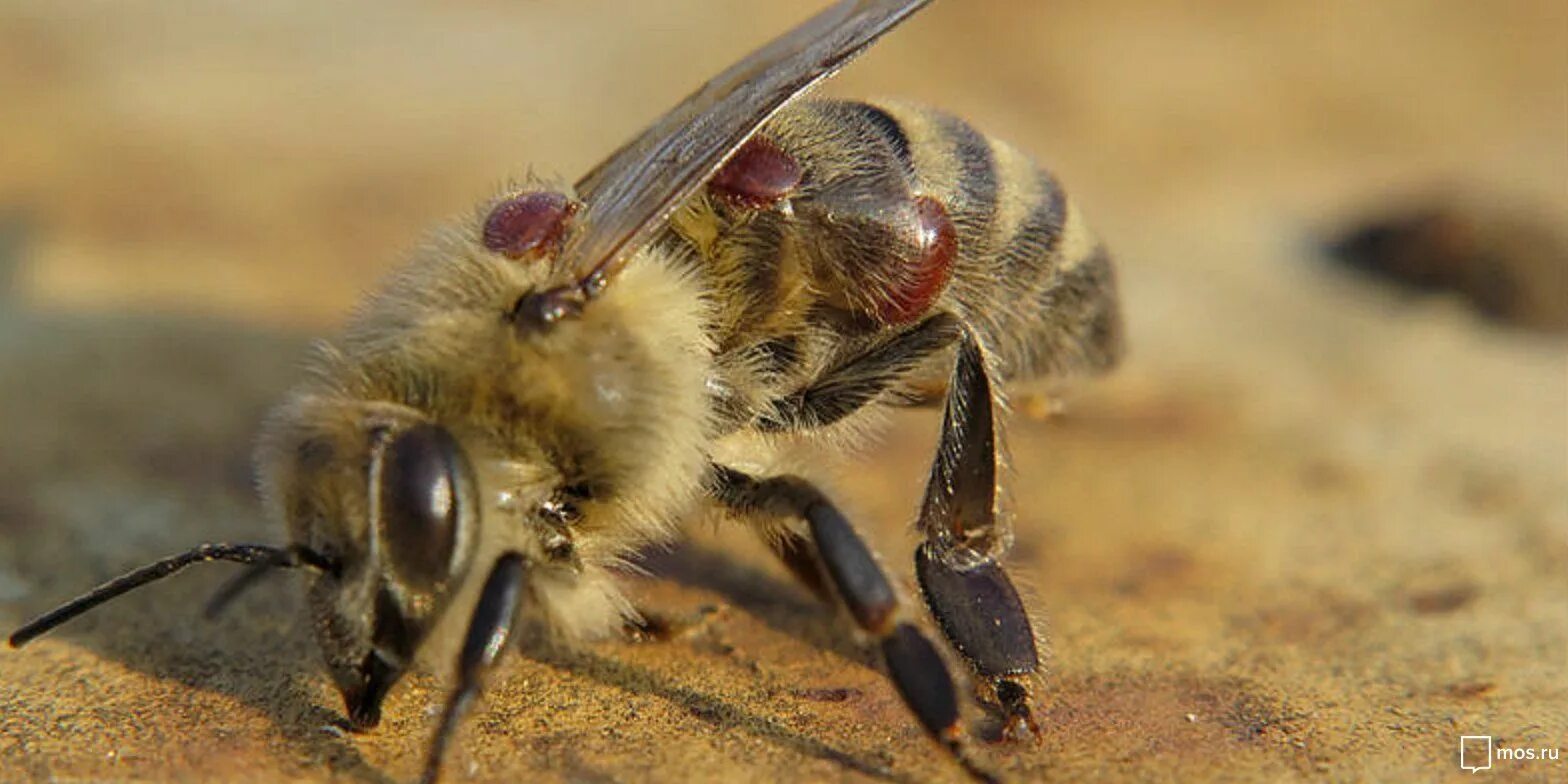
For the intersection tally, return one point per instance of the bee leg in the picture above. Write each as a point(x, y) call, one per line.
point(798, 554)
point(844, 388)
point(913, 664)
point(488, 630)
point(970, 595)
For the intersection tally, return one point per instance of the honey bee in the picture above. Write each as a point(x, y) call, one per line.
point(570, 374)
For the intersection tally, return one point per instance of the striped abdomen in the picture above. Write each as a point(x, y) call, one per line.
point(869, 217)
point(1030, 277)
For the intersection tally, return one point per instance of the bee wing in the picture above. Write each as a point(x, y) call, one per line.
point(630, 195)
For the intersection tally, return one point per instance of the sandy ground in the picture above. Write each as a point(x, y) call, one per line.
point(1313, 529)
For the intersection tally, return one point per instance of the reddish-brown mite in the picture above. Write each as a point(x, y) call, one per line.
point(528, 224)
point(918, 286)
point(758, 176)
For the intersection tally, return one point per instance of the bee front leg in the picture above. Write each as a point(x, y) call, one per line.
point(913, 664)
point(958, 565)
point(488, 631)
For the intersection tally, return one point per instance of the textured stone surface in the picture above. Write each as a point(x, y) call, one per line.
point(1313, 529)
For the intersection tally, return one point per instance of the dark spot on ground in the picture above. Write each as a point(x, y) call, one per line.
point(826, 695)
point(1312, 616)
point(1158, 570)
point(1256, 720)
point(1510, 265)
point(1468, 689)
point(1443, 600)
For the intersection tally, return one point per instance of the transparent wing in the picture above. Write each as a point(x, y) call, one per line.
point(629, 196)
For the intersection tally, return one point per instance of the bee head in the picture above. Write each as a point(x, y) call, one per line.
point(390, 498)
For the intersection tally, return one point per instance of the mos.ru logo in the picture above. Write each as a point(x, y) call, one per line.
point(1479, 752)
point(1475, 752)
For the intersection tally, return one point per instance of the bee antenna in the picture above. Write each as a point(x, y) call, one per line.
point(294, 556)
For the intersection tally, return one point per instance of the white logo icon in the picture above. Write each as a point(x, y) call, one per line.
point(1475, 752)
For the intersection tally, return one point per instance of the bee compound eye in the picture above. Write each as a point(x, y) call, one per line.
point(528, 225)
point(425, 488)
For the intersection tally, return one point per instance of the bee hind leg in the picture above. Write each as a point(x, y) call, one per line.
point(847, 565)
point(958, 565)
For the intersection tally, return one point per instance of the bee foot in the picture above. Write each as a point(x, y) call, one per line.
point(1018, 721)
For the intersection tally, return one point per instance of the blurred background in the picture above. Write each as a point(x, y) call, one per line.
point(1316, 526)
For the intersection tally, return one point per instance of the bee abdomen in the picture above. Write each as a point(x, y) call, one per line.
point(891, 213)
